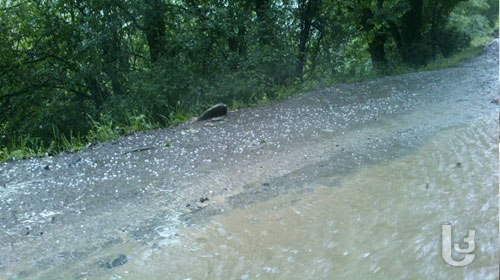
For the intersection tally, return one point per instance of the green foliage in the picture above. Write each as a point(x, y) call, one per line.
point(22, 148)
point(451, 40)
point(73, 72)
point(475, 19)
point(137, 123)
point(103, 130)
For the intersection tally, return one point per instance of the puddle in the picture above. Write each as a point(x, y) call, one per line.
point(383, 222)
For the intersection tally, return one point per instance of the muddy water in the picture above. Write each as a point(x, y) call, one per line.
point(383, 222)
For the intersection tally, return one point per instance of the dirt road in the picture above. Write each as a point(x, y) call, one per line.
point(57, 211)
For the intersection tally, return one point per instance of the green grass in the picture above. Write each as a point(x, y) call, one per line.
point(455, 59)
point(102, 130)
point(22, 148)
point(105, 128)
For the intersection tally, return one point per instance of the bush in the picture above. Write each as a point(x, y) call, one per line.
point(451, 40)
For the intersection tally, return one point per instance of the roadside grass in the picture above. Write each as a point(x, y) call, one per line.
point(22, 148)
point(106, 129)
point(102, 130)
point(455, 59)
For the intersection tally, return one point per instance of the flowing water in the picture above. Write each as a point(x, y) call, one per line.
point(382, 222)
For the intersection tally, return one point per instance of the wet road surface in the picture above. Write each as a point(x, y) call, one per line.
point(208, 201)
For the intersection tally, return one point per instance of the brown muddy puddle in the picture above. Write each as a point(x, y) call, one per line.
point(383, 222)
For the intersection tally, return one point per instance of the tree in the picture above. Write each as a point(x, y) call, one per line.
point(308, 16)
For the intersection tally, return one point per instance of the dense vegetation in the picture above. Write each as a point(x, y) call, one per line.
point(74, 72)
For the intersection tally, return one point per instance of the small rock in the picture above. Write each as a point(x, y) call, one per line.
point(120, 260)
point(215, 111)
point(47, 167)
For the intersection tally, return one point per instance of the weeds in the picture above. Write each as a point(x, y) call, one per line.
point(101, 130)
point(23, 148)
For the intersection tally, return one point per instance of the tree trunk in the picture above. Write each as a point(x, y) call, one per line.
point(411, 35)
point(236, 42)
point(97, 94)
point(376, 45)
point(309, 9)
point(303, 38)
point(264, 25)
point(115, 61)
point(436, 15)
point(377, 51)
point(393, 28)
point(316, 50)
point(154, 29)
